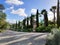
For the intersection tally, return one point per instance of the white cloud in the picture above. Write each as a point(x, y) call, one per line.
point(20, 12)
point(51, 15)
point(33, 11)
point(15, 2)
point(4, 11)
point(11, 21)
point(11, 8)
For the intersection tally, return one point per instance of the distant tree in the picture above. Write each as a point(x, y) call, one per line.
point(19, 23)
point(37, 18)
point(44, 12)
point(53, 9)
point(27, 21)
point(32, 19)
point(16, 25)
point(24, 22)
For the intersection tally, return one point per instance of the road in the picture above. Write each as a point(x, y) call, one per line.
point(22, 38)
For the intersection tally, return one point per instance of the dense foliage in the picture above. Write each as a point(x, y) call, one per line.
point(54, 37)
point(3, 23)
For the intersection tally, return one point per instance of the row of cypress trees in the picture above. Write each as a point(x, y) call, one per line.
point(31, 18)
point(43, 12)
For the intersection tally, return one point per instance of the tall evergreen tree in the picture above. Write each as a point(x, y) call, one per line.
point(37, 18)
point(24, 21)
point(27, 22)
point(44, 12)
point(19, 23)
point(31, 20)
point(16, 24)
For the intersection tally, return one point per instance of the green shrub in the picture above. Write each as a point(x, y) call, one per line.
point(51, 26)
point(43, 29)
point(54, 37)
point(48, 29)
point(40, 29)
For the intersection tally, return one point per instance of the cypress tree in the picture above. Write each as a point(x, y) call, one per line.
point(37, 18)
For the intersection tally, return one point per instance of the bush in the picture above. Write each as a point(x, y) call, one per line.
point(43, 29)
point(40, 29)
point(48, 29)
point(54, 37)
point(27, 29)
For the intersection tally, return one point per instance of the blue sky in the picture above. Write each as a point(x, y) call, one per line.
point(19, 9)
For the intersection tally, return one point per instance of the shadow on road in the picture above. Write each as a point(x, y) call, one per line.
point(30, 41)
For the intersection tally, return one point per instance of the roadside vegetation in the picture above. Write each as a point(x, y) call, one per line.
point(30, 25)
point(3, 23)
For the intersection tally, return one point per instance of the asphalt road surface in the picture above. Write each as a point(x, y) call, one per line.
point(22, 38)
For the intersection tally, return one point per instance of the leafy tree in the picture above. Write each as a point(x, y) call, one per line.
point(3, 23)
point(2, 20)
point(44, 12)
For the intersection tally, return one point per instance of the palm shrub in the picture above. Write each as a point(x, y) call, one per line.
point(54, 37)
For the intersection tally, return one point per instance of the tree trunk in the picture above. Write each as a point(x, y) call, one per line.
point(58, 17)
point(54, 17)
